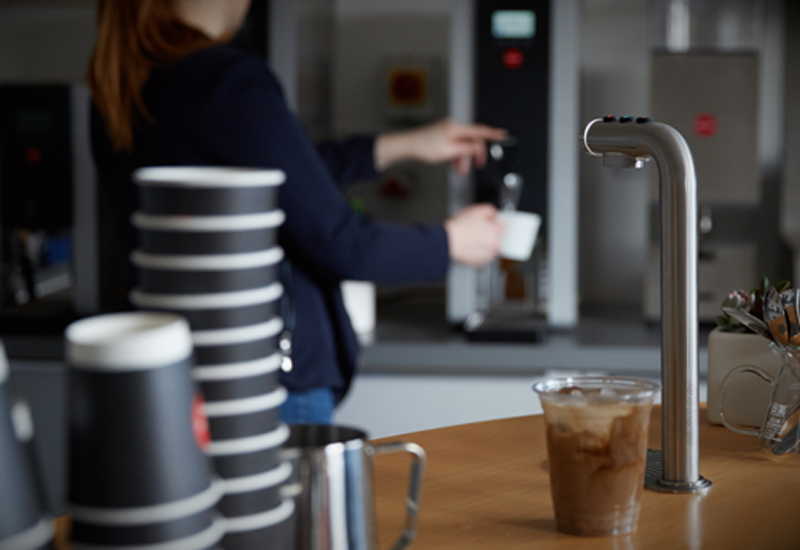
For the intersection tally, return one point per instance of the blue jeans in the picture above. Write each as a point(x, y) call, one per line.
point(308, 407)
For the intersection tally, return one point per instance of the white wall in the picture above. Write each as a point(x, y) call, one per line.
point(45, 43)
point(387, 405)
point(367, 34)
point(615, 72)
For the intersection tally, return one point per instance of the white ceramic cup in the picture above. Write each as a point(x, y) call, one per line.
point(519, 237)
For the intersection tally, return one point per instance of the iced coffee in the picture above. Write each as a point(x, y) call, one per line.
point(596, 444)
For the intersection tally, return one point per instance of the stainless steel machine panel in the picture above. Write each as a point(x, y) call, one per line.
point(712, 100)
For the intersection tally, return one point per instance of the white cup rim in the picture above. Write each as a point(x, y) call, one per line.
point(142, 515)
point(216, 300)
point(128, 341)
point(238, 335)
point(262, 442)
point(261, 520)
point(246, 405)
point(235, 371)
point(263, 480)
point(207, 262)
point(206, 538)
point(220, 177)
point(35, 536)
point(207, 224)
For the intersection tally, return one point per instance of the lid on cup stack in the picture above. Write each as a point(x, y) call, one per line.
point(208, 176)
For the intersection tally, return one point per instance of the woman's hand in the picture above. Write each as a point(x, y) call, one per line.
point(442, 141)
point(473, 235)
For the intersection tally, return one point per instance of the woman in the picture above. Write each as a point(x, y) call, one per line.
point(167, 91)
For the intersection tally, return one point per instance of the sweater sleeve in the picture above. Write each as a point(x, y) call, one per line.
point(349, 160)
point(248, 124)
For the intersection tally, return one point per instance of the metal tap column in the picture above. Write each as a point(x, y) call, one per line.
point(637, 141)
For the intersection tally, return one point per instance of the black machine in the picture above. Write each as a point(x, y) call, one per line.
point(36, 207)
point(49, 243)
point(512, 56)
point(512, 91)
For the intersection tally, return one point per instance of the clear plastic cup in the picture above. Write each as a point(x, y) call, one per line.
point(596, 445)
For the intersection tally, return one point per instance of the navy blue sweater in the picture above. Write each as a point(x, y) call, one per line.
point(223, 107)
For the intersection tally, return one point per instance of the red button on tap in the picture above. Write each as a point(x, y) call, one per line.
point(513, 58)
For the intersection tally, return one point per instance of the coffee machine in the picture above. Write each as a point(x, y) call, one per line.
point(708, 81)
point(47, 219)
point(514, 64)
point(510, 63)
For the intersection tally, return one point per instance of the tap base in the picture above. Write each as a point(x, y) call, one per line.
point(654, 480)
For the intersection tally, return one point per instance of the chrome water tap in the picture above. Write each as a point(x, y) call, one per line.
point(629, 142)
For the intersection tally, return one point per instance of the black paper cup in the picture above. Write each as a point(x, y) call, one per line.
point(245, 417)
point(237, 344)
point(238, 380)
point(36, 537)
point(249, 455)
point(21, 513)
point(206, 190)
point(180, 274)
point(217, 310)
point(270, 529)
point(201, 532)
point(147, 533)
point(207, 234)
point(248, 495)
point(133, 415)
point(146, 524)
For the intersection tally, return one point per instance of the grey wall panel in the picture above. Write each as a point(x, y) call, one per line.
point(723, 86)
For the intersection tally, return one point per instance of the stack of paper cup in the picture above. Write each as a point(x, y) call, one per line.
point(138, 476)
point(208, 252)
point(23, 524)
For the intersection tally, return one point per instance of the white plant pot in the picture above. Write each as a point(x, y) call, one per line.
point(747, 396)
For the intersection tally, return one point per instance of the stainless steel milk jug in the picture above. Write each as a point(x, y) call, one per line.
point(333, 468)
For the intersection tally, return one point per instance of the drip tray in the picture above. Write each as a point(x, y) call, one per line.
point(506, 323)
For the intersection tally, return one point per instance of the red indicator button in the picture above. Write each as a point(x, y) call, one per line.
point(33, 154)
point(513, 58)
point(705, 125)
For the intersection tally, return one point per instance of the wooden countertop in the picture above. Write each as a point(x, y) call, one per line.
point(486, 487)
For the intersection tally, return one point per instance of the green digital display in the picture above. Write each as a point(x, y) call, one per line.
point(513, 24)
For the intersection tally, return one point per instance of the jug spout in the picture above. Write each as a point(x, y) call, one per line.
point(628, 141)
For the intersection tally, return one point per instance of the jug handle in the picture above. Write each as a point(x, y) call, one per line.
point(752, 369)
point(414, 486)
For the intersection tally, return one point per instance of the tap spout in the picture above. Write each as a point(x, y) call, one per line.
point(638, 139)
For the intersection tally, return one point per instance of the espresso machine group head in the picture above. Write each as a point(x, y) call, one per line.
point(500, 181)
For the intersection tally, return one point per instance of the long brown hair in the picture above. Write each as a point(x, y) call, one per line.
point(133, 37)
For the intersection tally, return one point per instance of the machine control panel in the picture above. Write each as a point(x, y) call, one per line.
point(626, 118)
point(512, 50)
